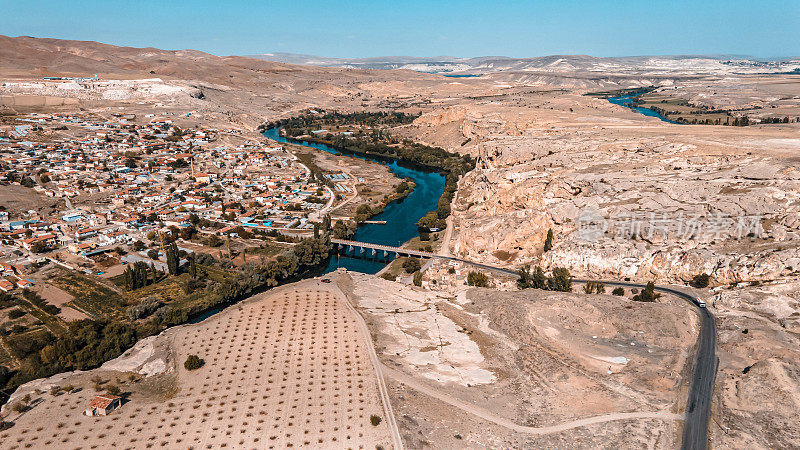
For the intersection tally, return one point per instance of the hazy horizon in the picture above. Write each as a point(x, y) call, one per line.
point(467, 29)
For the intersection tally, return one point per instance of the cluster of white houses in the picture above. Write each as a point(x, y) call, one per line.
point(127, 179)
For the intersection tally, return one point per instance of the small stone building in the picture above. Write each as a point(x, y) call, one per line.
point(102, 405)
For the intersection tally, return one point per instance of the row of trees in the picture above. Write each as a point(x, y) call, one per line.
point(89, 343)
point(559, 280)
point(139, 275)
point(307, 122)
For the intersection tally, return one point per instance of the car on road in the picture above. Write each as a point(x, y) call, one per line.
point(701, 303)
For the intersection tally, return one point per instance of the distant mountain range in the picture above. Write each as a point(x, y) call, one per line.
point(632, 65)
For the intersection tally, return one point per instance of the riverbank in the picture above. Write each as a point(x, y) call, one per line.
point(354, 181)
point(401, 216)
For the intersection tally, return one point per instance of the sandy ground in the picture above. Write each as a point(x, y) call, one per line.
point(476, 368)
point(58, 297)
point(757, 392)
point(287, 368)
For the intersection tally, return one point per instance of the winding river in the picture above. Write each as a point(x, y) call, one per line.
point(626, 100)
point(401, 216)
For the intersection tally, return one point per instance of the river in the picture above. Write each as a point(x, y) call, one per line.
point(401, 216)
point(626, 100)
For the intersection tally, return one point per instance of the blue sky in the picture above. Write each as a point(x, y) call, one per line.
point(360, 28)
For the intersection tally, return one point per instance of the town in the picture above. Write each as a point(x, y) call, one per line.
point(122, 184)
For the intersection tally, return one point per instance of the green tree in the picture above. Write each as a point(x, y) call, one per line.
point(701, 280)
point(173, 259)
point(477, 279)
point(363, 212)
point(193, 265)
point(412, 265)
point(648, 294)
point(561, 280)
point(548, 242)
point(418, 278)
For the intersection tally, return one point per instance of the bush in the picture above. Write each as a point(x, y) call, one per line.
point(618, 291)
point(701, 281)
point(388, 276)
point(412, 265)
point(193, 362)
point(374, 420)
point(648, 294)
point(417, 278)
point(561, 280)
point(19, 407)
point(113, 389)
point(147, 306)
point(477, 279)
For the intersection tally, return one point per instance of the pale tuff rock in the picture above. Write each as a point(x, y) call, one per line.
point(545, 178)
point(413, 328)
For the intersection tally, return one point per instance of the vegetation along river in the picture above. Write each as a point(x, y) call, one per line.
point(401, 216)
point(626, 100)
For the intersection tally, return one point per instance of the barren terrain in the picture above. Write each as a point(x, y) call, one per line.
point(472, 368)
point(536, 368)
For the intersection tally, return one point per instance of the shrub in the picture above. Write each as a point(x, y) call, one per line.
point(618, 291)
point(477, 279)
point(701, 280)
point(648, 294)
point(561, 280)
point(374, 420)
point(113, 389)
point(417, 278)
point(412, 265)
point(193, 362)
point(19, 407)
point(548, 242)
point(388, 276)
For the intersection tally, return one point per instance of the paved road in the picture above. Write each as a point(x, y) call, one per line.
point(701, 389)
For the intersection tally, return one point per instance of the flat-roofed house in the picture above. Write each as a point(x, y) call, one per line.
point(102, 405)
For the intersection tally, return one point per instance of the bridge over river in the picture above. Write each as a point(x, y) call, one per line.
point(400, 251)
point(701, 389)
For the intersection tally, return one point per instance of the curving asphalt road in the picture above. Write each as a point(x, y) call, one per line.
point(701, 388)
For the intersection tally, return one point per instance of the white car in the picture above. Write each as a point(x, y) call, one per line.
point(701, 303)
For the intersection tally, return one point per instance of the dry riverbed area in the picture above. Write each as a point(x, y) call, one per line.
point(287, 368)
point(470, 367)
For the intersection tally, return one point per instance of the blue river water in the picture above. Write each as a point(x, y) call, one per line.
point(401, 217)
point(626, 100)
